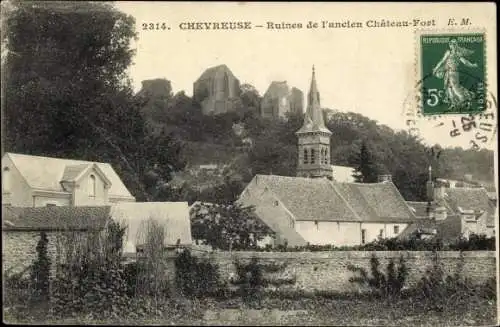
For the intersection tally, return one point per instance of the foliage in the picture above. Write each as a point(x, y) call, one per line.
point(92, 279)
point(151, 278)
point(367, 170)
point(227, 226)
point(474, 243)
point(438, 290)
point(252, 280)
point(386, 285)
point(40, 270)
point(70, 96)
point(198, 278)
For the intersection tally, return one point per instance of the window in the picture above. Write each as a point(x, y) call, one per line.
point(276, 203)
point(6, 180)
point(326, 156)
point(363, 236)
point(51, 205)
point(92, 185)
point(306, 157)
point(396, 229)
point(313, 156)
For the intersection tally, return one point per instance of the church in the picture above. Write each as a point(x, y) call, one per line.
point(314, 208)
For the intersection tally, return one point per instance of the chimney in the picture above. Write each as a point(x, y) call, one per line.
point(384, 178)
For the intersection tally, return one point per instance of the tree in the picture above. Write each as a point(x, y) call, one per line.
point(40, 270)
point(66, 88)
point(366, 168)
point(227, 226)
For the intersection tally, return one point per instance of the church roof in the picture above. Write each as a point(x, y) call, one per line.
point(313, 119)
point(323, 200)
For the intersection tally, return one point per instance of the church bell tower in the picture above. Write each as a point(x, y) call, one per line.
point(314, 139)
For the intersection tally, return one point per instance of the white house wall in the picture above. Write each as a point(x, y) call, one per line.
point(19, 192)
point(327, 232)
point(373, 230)
point(82, 195)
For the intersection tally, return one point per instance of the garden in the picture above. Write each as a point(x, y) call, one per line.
point(95, 284)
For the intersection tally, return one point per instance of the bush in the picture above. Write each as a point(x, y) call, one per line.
point(40, 270)
point(440, 291)
point(385, 285)
point(92, 279)
point(197, 278)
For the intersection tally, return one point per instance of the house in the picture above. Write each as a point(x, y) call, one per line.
point(279, 100)
point(34, 181)
point(454, 213)
point(316, 209)
point(217, 90)
point(21, 227)
point(320, 211)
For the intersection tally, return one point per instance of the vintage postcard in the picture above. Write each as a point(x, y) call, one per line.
point(249, 163)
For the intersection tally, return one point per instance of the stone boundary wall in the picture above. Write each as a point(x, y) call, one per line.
point(327, 271)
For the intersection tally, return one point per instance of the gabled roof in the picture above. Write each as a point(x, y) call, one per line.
point(377, 202)
point(323, 200)
point(308, 199)
point(420, 208)
point(46, 173)
point(174, 216)
point(468, 199)
point(54, 218)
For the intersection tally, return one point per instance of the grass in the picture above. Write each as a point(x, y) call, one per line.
point(273, 310)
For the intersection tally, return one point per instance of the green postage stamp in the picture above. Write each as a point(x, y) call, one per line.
point(452, 72)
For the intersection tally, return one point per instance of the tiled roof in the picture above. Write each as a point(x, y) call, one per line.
point(55, 218)
point(309, 199)
point(468, 198)
point(448, 229)
point(72, 172)
point(46, 173)
point(174, 216)
point(376, 201)
point(323, 200)
point(418, 208)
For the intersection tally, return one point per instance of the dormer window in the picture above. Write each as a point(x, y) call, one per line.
point(92, 185)
point(6, 180)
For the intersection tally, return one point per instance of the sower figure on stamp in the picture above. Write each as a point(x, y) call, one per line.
point(447, 68)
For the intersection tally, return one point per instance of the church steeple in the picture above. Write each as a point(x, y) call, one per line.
point(314, 138)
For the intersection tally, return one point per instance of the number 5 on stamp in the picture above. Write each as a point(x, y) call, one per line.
point(452, 71)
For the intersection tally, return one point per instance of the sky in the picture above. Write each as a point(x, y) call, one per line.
point(371, 71)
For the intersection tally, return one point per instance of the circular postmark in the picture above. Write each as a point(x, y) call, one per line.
point(472, 120)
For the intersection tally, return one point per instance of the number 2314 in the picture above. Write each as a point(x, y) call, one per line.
point(154, 26)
